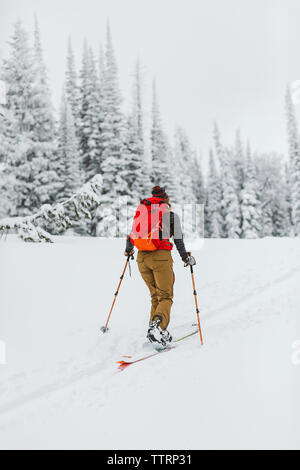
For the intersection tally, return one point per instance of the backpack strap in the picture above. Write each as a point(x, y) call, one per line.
point(145, 202)
point(172, 228)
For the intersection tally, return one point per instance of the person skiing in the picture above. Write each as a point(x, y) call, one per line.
point(153, 225)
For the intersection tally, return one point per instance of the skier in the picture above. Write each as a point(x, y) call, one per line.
point(153, 225)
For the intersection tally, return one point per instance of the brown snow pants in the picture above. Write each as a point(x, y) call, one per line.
point(156, 268)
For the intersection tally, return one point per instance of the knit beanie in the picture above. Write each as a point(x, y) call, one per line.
point(159, 192)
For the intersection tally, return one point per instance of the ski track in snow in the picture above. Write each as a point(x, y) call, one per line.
point(24, 395)
point(259, 291)
point(107, 368)
point(100, 368)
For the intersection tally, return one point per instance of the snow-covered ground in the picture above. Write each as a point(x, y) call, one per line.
point(61, 388)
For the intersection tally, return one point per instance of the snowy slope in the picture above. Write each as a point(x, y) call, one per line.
point(60, 387)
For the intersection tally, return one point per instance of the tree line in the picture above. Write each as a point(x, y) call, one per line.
point(44, 159)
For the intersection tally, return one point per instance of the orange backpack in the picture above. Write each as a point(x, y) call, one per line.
point(147, 225)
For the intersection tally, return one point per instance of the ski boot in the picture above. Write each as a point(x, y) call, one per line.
point(160, 338)
point(167, 337)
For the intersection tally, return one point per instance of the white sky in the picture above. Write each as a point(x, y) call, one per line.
point(228, 60)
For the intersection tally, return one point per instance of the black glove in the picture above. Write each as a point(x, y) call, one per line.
point(190, 261)
point(129, 253)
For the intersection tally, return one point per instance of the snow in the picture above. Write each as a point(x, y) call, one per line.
point(61, 388)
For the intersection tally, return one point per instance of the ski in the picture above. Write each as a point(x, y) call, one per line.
point(130, 360)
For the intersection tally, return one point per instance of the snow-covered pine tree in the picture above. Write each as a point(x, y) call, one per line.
point(70, 176)
point(230, 210)
point(218, 161)
point(32, 164)
point(18, 73)
point(273, 195)
point(238, 162)
point(89, 128)
point(197, 179)
point(230, 199)
point(213, 201)
point(239, 169)
point(101, 87)
point(101, 69)
point(15, 118)
point(113, 164)
point(184, 156)
point(137, 169)
point(266, 197)
point(294, 157)
point(287, 170)
point(188, 180)
point(44, 133)
point(72, 92)
point(159, 145)
point(172, 179)
point(281, 219)
point(250, 204)
point(60, 216)
point(69, 160)
point(44, 129)
point(8, 140)
point(217, 142)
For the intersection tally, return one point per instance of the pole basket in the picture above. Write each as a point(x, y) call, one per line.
point(104, 329)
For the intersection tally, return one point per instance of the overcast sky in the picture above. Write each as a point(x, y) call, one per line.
point(228, 60)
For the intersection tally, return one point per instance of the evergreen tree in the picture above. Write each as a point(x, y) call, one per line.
point(44, 133)
point(230, 201)
point(287, 171)
point(266, 210)
point(101, 87)
point(69, 163)
point(133, 170)
point(44, 129)
point(219, 151)
point(8, 141)
point(239, 163)
point(250, 204)
point(136, 168)
point(113, 165)
point(70, 176)
point(89, 129)
point(28, 101)
point(213, 201)
point(185, 158)
point(72, 92)
point(18, 73)
point(159, 145)
point(230, 210)
point(294, 156)
point(197, 180)
point(172, 179)
point(273, 195)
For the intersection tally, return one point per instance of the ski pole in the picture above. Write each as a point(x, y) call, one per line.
point(104, 329)
point(196, 302)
